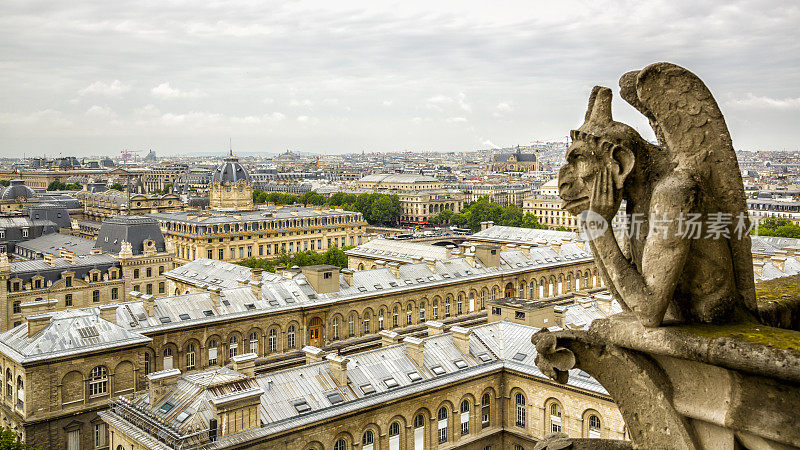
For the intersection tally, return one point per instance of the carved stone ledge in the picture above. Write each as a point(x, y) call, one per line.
point(688, 386)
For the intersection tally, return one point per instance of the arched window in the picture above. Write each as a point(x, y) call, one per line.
point(422, 311)
point(483, 298)
point(351, 325)
point(272, 338)
point(335, 328)
point(254, 342)
point(520, 402)
point(366, 322)
point(98, 381)
point(21, 392)
point(460, 304)
point(190, 363)
point(340, 444)
point(494, 293)
point(594, 426)
point(441, 415)
point(368, 440)
point(395, 317)
point(290, 339)
point(233, 346)
point(146, 363)
point(447, 307)
point(212, 352)
point(168, 358)
point(464, 417)
point(409, 312)
point(555, 418)
point(436, 309)
point(486, 409)
point(419, 421)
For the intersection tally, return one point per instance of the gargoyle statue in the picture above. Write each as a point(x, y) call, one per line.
point(670, 270)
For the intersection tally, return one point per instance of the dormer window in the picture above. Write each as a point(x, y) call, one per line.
point(68, 281)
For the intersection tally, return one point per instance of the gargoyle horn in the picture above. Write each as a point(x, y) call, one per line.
point(599, 111)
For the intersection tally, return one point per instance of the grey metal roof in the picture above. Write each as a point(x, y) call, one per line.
point(398, 178)
point(69, 332)
point(494, 346)
point(51, 243)
point(259, 215)
point(133, 229)
point(230, 171)
point(17, 189)
point(397, 250)
point(519, 235)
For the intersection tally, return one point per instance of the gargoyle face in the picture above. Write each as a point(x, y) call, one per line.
point(576, 177)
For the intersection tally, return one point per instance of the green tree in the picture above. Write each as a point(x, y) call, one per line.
point(384, 209)
point(778, 228)
point(10, 441)
point(73, 187)
point(311, 198)
point(4, 183)
point(117, 187)
point(56, 185)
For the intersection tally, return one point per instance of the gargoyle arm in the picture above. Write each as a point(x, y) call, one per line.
point(648, 293)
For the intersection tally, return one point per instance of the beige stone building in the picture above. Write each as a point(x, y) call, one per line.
point(419, 206)
point(111, 203)
point(231, 187)
point(515, 161)
point(399, 182)
point(64, 272)
point(263, 233)
point(548, 210)
point(472, 388)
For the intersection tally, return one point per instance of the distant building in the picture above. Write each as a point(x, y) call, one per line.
point(231, 187)
point(399, 182)
point(515, 161)
point(418, 207)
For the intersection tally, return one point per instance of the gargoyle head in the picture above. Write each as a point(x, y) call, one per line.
point(599, 142)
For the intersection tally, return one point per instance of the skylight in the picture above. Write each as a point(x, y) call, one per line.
point(390, 382)
point(520, 357)
point(208, 313)
point(165, 319)
point(184, 317)
point(166, 407)
point(182, 417)
point(252, 306)
point(438, 370)
point(301, 406)
point(460, 363)
point(414, 376)
point(484, 357)
point(367, 389)
point(226, 303)
point(334, 397)
point(88, 332)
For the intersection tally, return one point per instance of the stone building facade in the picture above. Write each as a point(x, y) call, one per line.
point(469, 388)
point(515, 161)
point(111, 203)
point(418, 207)
point(231, 187)
point(548, 210)
point(263, 233)
point(129, 255)
point(398, 182)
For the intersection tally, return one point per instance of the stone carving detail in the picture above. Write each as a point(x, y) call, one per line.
point(665, 273)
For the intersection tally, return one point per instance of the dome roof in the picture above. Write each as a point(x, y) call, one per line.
point(17, 189)
point(230, 171)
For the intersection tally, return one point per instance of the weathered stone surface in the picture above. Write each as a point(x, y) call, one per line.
point(664, 273)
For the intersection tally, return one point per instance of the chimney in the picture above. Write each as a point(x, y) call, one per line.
point(779, 262)
point(338, 368)
point(526, 250)
point(256, 273)
point(414, 348)
point(5, 266)
point(558, 313)
point(215, 293)
point(380, 263)
point(38, 306)
point(556, 245)
point(323, 278)
point(416, 259)
point(489, 224)
point(148, 303)
point(581, 244)
point(37, 322)
point(68, 255)
point(245, 364)
point(431, 264)
point(461, 338)
point(347, 274)
point(109, 313)
point(395, 269)
point(388, 338)
point(95, 251)
point(49, 259)
point(448, 251)
point(255, 288)
point(159, 383)
point(488, 255)
point(235, 411)
point(434, 327)
point(313, 354)
point(758, 268)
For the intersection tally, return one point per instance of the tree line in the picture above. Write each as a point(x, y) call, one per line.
point(334, 256)
point(778, 228)
point(484, 210)
point(377, 208)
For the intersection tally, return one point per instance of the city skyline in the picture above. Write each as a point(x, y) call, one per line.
point(311, 77)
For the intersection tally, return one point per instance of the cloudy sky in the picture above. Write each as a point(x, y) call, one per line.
point(93, 77)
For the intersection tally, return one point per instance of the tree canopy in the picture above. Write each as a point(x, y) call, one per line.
point(334, 256)
point(59, 186)
point(377, 208)
point(483, 210)
point(778, 228)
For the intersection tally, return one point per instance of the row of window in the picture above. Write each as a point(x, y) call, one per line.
point(263, 225)
point(113, 273)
